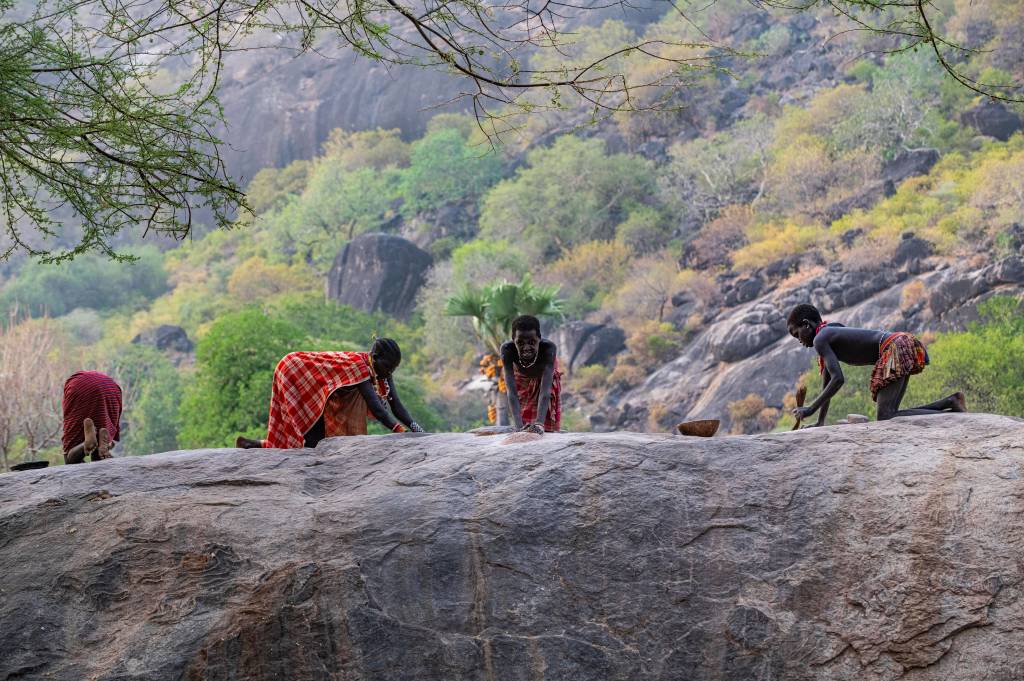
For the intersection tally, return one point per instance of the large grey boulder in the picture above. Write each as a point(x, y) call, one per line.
point(867, 552)
point(909, 163)
point(378, 272)
point(583, 343)
point(993, 119)
point(166, 337)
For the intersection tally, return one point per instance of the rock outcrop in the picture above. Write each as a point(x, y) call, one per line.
point(166, 337)
point(866, 552)
point(582, 343)
point(993, 119)
point(379, 272)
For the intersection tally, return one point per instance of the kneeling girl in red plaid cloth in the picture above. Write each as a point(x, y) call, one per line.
point(326, 394)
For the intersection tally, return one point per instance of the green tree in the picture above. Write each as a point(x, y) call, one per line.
point(446, 168)
point(705, 175)
point(152, 390)
point(569, 193)
point(89, 281)
point(986, 361)
point(235, 364)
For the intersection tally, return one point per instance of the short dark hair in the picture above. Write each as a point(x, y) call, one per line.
point(387, 349)
point(804, 312)
point(525, 323)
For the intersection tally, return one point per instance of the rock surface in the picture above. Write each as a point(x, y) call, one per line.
point(378, 272)
point(860, 552)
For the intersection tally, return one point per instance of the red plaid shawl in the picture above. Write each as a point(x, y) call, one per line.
point(302, 383)
point(528, 390)
point(93, 395)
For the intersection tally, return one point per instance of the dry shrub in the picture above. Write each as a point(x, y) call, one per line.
point(591, 377)
point(587, 272)
point(700, 286)
point(693, 323)
point(800, 276)
point(658, 416)
point(912, 294)
point(720, 237)
point(626, 375)
point(767, 418)
point(979, 260)
point(868, 254)
point(927, 337)
point(745, 413)
point(37, 358)
point(653, 343)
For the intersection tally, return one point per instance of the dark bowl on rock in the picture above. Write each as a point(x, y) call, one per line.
point(30, 465)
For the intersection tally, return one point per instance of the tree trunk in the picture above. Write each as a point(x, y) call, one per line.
point(501, 402)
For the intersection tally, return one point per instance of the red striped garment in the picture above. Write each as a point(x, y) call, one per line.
point(302, 383)
point(528, 390)
point(93, 395)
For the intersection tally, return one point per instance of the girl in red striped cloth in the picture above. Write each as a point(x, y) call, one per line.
point(327, 394)
point(532, 380)
point(92, 416)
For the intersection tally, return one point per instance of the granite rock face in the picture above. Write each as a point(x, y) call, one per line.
point(860, 552)
point(378, 272)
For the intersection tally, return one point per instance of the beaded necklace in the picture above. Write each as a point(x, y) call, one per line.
point(376, 382)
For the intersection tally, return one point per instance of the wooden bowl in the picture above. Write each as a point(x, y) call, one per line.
point(702, 428)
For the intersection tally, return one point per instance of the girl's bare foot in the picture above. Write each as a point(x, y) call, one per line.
point(247, 443)
point(90, 442)
point(105, 444)
point(958, 401)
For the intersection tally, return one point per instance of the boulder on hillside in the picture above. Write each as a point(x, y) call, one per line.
point(993, 119)
point(911, 251)
point(866, 552)
point(744, 290)
point(582, 344)
point(740, 336)
point(909, 163)
point(378, 272)
point(165, 337)
point(864, 199)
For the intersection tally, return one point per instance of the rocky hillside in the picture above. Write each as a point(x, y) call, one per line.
point(861, 552)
